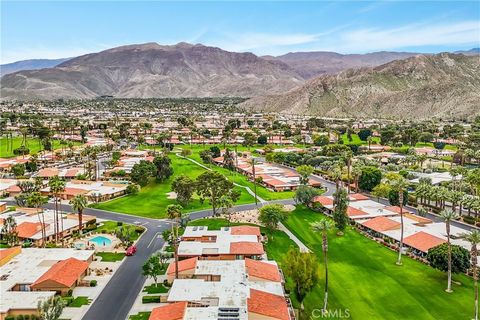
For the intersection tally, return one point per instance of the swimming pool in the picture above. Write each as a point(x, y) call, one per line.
point(101, 241)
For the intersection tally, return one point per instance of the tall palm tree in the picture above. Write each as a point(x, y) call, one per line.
point(79, 203)
point(474, 238)
point(174, 212)
point(323, 226)
point(400, 185)
point(36, 200)
point(448, 215)
point(57, 186)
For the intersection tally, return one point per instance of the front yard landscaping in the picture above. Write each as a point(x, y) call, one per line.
point(111, 256)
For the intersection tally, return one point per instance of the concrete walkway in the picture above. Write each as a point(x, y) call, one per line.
point(303, 248)
point(262, 201)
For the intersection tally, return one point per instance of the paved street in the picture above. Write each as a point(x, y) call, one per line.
point(116, 300)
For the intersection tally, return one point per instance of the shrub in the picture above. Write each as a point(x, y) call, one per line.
point(93, 283)
point(139, 229)
point(150, 299)
point(438, 258)
point(469, 220)
point(119, 223)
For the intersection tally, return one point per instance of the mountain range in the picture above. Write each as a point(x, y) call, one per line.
point(444, 85)
point(33, 64)
point(326, 83)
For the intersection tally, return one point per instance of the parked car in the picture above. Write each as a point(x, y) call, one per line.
point(131, 250)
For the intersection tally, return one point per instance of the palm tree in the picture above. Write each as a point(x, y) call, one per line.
point(174, 212)
point(78, 203)
point(57, 186)
point(448, 215)
point(356, 173)
point(474, 238)
point(400, 185)
point(323, 226)
point(36, 200)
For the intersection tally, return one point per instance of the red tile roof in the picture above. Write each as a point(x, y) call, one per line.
point(47, 172)
point(358, 197)
point(183, 265)
point(246, 248)
point(74, 191)
point(28, 229)
point(262, 270)
point(245, 230)
point(423, 241)
point(396, 209)
point(324, 201)
point(381, 224)
point(351, 211)
point(64, 272)
point(172, 311)
point(268, 304)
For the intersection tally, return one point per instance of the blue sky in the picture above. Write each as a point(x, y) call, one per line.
point(64, 29)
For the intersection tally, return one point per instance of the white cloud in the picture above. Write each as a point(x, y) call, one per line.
point(413, 35)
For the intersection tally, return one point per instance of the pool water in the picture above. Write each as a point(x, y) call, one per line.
point(101, 241)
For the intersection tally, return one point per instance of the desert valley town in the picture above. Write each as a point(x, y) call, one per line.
point(239, 160)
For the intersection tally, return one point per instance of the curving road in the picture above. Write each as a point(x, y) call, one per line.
point(118, 296)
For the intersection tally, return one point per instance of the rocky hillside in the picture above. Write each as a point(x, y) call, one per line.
point(314, 64)
point(443, 85)
point(152, 70)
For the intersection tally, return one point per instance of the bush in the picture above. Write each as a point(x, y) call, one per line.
point(150, 299)
point(70, 292)
point(93, 283)
point(132, 189)
point(438, 258)
point(139, 229)
point(119, 223)
point(469, 220)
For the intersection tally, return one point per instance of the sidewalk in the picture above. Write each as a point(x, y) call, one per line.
point(303, 248)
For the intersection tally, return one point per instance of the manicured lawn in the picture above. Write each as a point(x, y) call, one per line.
point(111, 256)
point(240, 179)
point(140, 316)
point(155, 289)
point(356, 140)
point(152, 199)
point(430, 145)
point(364, 279)
point(79, 301)
point(32, 144)
point(112, 226)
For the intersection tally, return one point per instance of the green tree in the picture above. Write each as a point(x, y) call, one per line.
point(18, 170)
point(302, 268)
point(36, 200)
point(212, 186)
point(340, 216)
point(399, 186)
point(272, 214)
point(174, 212)
point(474, 238)
point(164, 168)
point(304, 171)
point(56, 186)
point(142, 171)
point(370, 178)
point(306, 194)
point(9, 231)
point(262, 139)
point(449, 258)
point(51, 308)
point(153, 268)
point(184, 187)
point(448, 215)
point(79, 203)
point(323, 226)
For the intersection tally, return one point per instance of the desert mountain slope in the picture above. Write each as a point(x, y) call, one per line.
point(151, 70)
point(443, 85)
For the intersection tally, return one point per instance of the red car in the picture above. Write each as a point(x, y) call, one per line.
point(131, 250)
